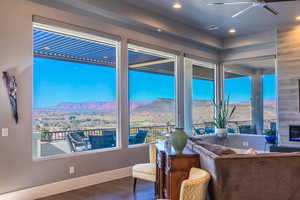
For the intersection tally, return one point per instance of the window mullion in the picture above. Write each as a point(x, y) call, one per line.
point(122, 83)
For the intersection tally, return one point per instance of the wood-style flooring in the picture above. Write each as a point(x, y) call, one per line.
point(115, 190)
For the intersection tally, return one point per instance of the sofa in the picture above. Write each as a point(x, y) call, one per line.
point(264, 176)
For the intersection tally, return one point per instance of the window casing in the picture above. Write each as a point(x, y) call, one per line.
point(74, 92)
point(151, 76)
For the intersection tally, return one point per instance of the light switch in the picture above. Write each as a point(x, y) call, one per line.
point(4, 132)
point(71, 170)
point(245, 144)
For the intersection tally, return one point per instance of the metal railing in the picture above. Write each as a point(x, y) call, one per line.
point(155, 133)
point(52, 136)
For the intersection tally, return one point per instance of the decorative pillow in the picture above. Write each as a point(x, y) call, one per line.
point(251, 151)
point(194, 138)
point(214, 148)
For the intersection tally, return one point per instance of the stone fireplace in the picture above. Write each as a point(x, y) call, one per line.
point(288, 75)
point(294, 133)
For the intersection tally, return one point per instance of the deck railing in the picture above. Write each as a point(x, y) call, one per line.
point(155, 133)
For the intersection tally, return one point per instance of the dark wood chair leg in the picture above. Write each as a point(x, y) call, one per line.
point(134, 184)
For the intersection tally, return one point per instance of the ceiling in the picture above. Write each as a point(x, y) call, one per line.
point(267, 66)
point(198, 14)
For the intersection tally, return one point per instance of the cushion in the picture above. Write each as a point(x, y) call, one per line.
point(194, 139)
point(216, 149)
point(251, 151)
point(146, 168)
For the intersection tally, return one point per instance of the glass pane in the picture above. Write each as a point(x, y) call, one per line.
point(151, 94)
point(202, 97)
point(269, 92)
point(238, 88)
point(74, 94)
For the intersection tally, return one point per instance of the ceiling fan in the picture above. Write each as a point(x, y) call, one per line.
point(253, 4)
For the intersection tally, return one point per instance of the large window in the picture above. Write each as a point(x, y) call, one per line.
point(202, 97)
point(238, 88)
point(151, 94)
point(269, 96)
point(74, 92)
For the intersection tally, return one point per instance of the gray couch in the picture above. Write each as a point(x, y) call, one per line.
point(269, 176)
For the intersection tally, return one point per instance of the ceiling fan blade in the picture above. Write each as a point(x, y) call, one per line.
point(229, 3)
point(273, 1)
point(242, 11)
point(271, 10)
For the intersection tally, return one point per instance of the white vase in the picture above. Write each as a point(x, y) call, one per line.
point(221, 132)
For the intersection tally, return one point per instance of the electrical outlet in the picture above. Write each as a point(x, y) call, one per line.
point(4, 132)
point(71, 170)
point(245, 144)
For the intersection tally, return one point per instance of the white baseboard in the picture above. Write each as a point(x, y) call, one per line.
point(67, 185)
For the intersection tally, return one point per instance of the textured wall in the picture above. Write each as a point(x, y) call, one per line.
point(288, 70)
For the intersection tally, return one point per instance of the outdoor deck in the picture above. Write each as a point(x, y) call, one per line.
point(55, 143)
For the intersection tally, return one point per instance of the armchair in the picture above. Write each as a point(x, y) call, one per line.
point(195, 187)
point(76, 140)
point(145, 171)
point(139, 138)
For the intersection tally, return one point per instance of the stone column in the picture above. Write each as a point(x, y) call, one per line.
point(257, 109)
point(188, 77)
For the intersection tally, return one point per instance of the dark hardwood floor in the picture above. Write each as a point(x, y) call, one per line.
point(115, 190)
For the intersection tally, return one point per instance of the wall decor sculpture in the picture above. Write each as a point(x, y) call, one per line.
point(11, 86)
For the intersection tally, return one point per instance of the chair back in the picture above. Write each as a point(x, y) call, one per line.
point(248, 129)
point(152, 153)
point(76, 137)
point(230, 130)
point(99, 141)
point(195, 187)
point(198, 131)
point(141, 136)
point(70, 143)
point(209, 130)
point(109, 132)
point(273, 126)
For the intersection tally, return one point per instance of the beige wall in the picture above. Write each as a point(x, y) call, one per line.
point(17, 170)
point(288, 70)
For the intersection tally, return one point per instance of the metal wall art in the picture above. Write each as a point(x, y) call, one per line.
point(11, 86)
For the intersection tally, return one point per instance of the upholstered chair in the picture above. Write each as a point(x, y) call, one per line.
point(145, 171)
point(195, 187)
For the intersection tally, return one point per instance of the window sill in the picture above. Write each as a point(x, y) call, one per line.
point(140, 145)
point(74, 154)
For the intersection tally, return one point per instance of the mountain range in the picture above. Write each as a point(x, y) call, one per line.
point(158, 105)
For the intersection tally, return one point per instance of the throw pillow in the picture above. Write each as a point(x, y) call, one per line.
point(251, 151)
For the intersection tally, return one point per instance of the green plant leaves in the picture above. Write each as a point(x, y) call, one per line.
point(223, 113)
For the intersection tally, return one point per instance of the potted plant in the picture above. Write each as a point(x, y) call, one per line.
point(222, 117)
point(270, 136)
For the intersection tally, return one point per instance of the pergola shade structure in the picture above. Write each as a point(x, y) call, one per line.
point(55, 45)
point(50, 44)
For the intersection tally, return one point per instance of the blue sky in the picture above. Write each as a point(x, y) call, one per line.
point(58, 81)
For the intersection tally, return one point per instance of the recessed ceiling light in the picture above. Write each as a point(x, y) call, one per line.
point(46, 48)
point(298, 18)
point(177, 5)
point(159, 30)
point(232, 31)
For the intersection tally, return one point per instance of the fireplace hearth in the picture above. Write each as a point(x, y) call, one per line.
point(295, 133)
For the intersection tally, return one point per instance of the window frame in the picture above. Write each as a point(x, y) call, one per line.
point(93, 37)
point(188, 88)
point(160, 52)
